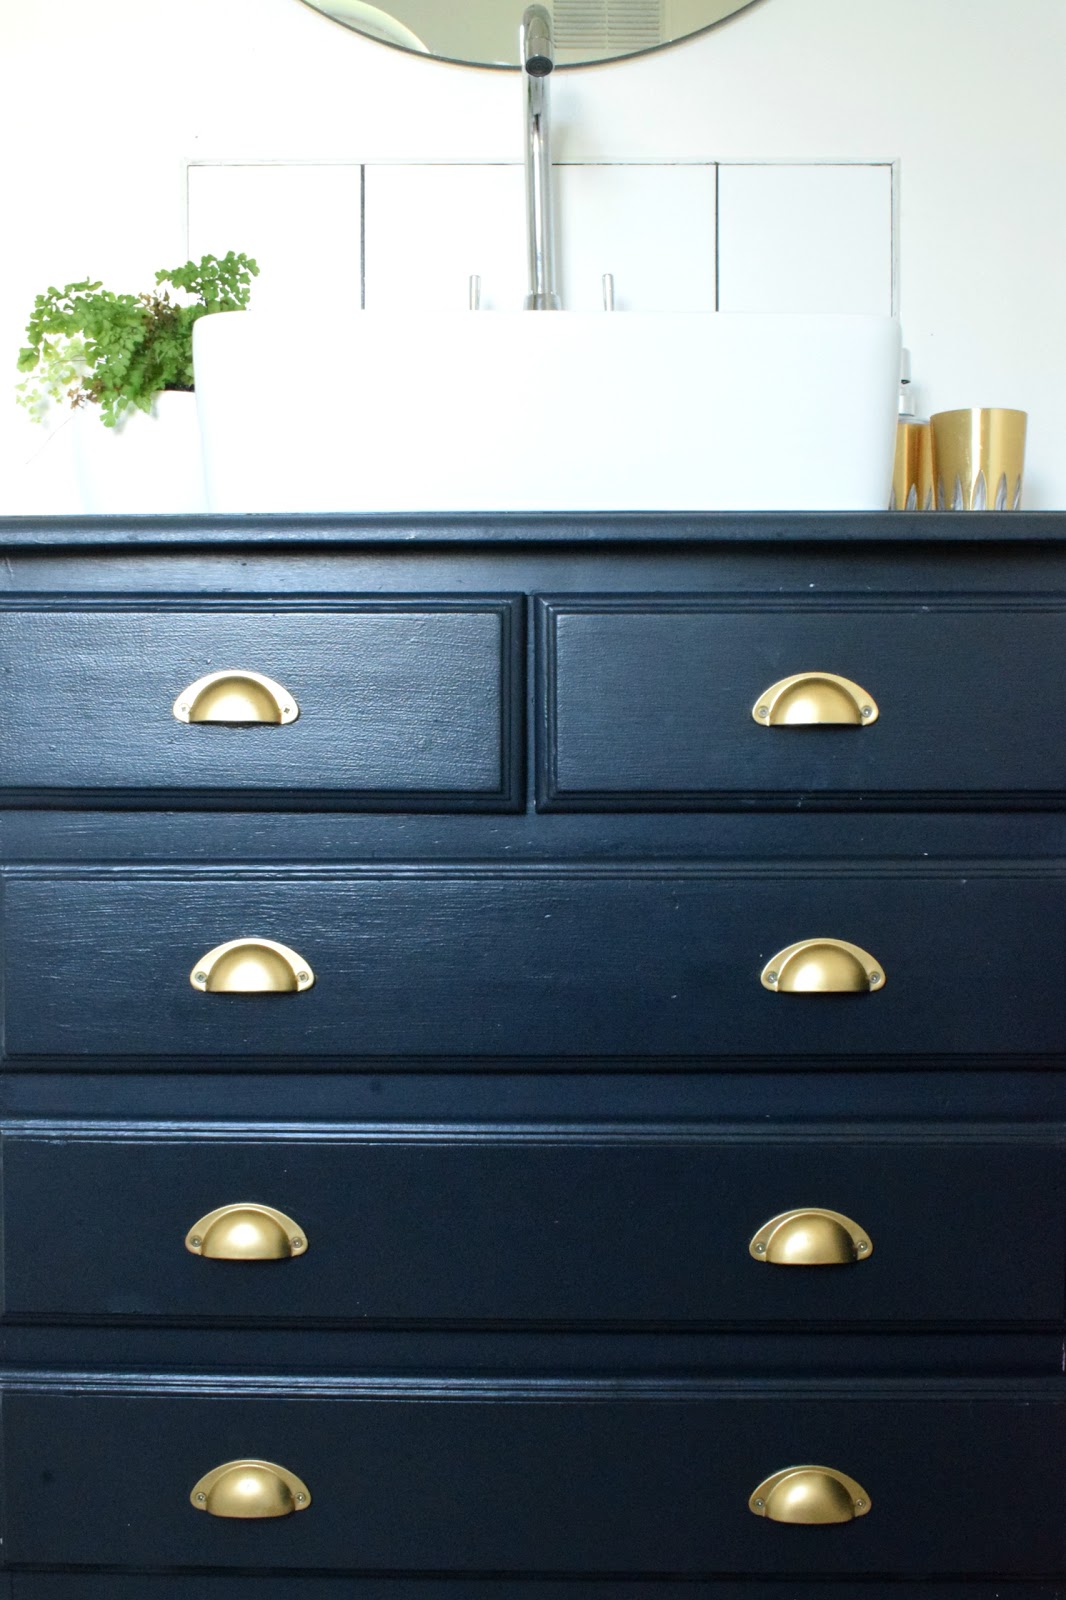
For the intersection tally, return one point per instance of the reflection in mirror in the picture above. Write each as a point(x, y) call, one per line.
point(485, 32)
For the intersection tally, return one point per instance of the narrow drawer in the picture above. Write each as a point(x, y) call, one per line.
point(536, 1476)
point(535, 1226)
point(652, 703)
point(623, 963)
point(398, 704)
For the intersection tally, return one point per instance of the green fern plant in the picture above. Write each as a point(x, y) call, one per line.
point(87, 345)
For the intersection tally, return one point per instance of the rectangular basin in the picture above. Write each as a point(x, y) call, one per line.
point(549, 411)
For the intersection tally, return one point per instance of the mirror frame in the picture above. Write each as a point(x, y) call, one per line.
point(321, 7)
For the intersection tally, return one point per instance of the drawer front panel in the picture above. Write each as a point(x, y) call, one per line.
point(399, 704)
point(465, 1478)
point(530, 963)
point(648, 702)
point(535, 1226)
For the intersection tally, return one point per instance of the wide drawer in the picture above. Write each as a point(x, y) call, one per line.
point(466, 1476)
point(397, 704)
point(621, 962)
point(653, 703)
point(534, 1225)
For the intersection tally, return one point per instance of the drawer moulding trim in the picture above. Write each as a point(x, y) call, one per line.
point(1015, 530)
point(928, 869)
point(462, 1388)
point(1051, 1135)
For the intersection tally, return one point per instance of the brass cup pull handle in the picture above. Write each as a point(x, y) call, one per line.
point(246, 1232)
point(809, 1495)
point(811, 1237)
point(814, 699)
point(822, 966)
point(236, 698)
point(250, 1489)
point(251, 966)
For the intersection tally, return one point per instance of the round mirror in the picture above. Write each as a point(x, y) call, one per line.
point(484, 33)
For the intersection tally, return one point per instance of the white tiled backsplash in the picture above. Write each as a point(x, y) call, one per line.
point(678, 236)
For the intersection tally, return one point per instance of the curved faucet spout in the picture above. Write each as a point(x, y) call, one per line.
point(537, 46)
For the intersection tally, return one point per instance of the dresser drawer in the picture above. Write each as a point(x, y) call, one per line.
point(404, 705)
point(652, 703)
point(535, 1226)
point(502, 963)
point(626, 1476)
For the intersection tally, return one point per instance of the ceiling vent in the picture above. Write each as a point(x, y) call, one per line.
point(608, 25)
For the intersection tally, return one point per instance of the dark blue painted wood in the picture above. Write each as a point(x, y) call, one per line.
point(540, 1478)
point(362, 568)
point(553, 987)
point(493, 529)
point(1011, 1094)
point(538, 1226)
point(261, 837)
point(435, 1350)
point(647, 701)
point(646, 963)
point(400, 705)
point(111, 1586)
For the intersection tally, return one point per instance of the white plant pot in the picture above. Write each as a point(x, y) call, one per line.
point(149, 463)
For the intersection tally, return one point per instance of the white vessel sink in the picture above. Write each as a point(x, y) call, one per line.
point(547, 411)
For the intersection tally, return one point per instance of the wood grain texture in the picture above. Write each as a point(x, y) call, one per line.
point(544, 1226)
point(595, 961)
point(201, 1586)
point(537, 1101)
point(400, 704)
point(647, 702)
point(500, 529)
point(566, 1478)
point(246, 838)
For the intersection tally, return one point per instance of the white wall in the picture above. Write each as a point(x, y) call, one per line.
point(100, 104)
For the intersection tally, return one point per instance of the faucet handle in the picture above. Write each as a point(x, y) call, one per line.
point(608, 291)
point(475, 291)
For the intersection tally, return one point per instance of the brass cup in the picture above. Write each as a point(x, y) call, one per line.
point(912, 470)
point(978, 456)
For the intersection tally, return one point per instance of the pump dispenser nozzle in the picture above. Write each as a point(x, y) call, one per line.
point(912, 471)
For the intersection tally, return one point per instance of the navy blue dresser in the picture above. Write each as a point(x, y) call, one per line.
point(533, 1058)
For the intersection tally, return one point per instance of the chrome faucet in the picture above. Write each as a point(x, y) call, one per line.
point(538, 58)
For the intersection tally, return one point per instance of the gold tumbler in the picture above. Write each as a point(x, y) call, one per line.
point(912, 470)
point(978, 455)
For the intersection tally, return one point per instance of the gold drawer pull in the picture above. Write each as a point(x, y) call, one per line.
point(808, 699)
point(810, 1495)
point(250, 1489)
point(236, 697)
point(246, 1232)
point(822, 966)
point(251, 966)
point(811, 1238)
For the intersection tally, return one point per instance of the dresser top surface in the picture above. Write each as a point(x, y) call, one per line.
point(505, 529)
